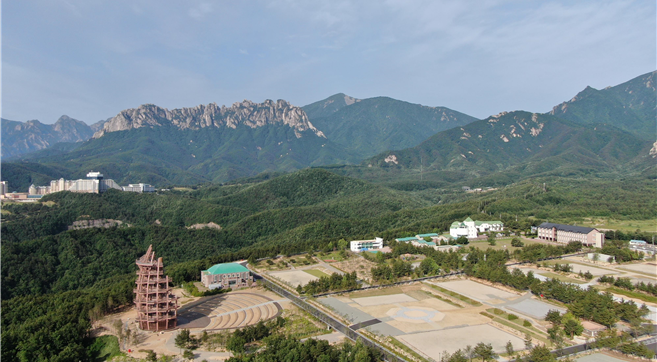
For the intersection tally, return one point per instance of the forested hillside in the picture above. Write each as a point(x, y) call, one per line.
point(629, 106)
point(370, 126)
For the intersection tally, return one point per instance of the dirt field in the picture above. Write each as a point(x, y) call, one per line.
point(643, 268)
point(478, 291)
point(599, 357)
point(358, 264)
point(294, 277)
point(384, 299)
point(435, 343)
point(583, 267)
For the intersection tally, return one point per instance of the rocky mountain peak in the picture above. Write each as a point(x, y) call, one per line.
point(246, 113)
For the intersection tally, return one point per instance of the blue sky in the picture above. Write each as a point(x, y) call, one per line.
point(90, 59)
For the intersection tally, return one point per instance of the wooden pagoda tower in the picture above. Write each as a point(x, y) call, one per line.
point(156, 306)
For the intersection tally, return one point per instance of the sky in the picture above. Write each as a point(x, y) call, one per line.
point(90, 59)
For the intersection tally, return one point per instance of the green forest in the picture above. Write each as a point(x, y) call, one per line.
point(56, 281)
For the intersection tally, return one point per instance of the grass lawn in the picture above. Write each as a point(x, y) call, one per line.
point(376, 292)
point(649, 225)
point(519, 322)
point(316, 272)
point(334, 255)
point(104, 348)
point(564, 261)
point(629, 293)
point(560, 277)
point(446, 300)
point(300, 324)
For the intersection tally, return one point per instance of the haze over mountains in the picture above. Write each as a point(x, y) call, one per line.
point(598, 132)
point(20, 138)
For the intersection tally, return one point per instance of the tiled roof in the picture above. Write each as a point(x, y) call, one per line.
point(570, 228)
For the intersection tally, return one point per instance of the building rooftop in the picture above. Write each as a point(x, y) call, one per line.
point(570, 228)
point(226, 268)
point(410, 238)
point(425, 235)
point(468, 219)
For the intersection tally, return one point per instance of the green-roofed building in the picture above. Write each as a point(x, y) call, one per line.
point(430, 235)
point(406, 240)
point(226, 275)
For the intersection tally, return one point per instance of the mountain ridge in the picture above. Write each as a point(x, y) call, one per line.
point(30, 136)
point(373, 125)
point(246, 112)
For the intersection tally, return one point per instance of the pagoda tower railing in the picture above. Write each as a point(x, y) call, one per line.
point(156, 306)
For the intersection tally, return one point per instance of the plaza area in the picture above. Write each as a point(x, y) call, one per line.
point(293, 278)
point(228, 311)
point(426, 320)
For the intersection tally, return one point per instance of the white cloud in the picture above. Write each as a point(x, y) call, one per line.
point(91, 58)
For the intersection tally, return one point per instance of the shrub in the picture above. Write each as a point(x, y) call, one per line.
point(512, 317)
point(526, 323)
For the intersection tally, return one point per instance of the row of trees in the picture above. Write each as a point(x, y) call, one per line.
point(623, 342)
point(619, 250)
point(626, 283)
point(334, 282)
point(588, 304)
point(388, 273)
point(280, 348)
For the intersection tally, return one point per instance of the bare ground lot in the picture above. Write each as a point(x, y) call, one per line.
point(358, 264)
point(477, 291)
point(647, 268)
point(384, 299)
point(434, 343)
point(534, 308)
point(294, 277)
point(599, 357)
point(584, 267)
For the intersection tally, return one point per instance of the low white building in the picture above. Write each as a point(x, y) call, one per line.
point(364, 245)
point(141, 188)
point(471, 229)
point(96, 183)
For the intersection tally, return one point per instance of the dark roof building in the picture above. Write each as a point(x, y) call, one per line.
point(566, 233)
